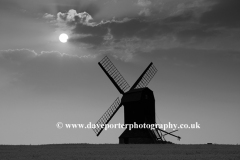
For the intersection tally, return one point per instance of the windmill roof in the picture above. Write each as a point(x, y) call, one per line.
point(134, 95)
point(137, 90)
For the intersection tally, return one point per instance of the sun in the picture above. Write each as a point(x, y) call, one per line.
point(63, 38)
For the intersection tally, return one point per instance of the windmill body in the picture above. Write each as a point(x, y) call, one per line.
point(139, 106)
point(139, 109)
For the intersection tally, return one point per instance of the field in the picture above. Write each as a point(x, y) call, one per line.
point(116, 151)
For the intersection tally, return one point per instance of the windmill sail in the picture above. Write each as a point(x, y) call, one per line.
point(146, 77)
point(107, 116)
point(114, 75)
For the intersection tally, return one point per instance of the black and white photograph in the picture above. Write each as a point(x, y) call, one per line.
point(119, 79)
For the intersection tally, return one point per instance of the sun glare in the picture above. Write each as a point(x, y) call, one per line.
point(63, 38)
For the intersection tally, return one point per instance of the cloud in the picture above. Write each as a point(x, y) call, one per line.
point(127, 48)
point(145, 12)
point(43, 72)
point(83, 28)
point(48, 16)
point(127, 37)
point(157, 24)
point(143, 25)
point(73, 17)
point(20, 56)
point(83, 24)
point(57, 53)
point(8, 4)
point(225, 13)
point(185, 16)
point(16, 55)
point(118, 30)
point(144, 3)
point(108, 36)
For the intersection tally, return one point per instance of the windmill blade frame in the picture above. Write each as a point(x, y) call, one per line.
point(145, 77)
point(114, 75)
point(107, 116)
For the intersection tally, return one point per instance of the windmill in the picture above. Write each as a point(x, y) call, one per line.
point(139, 106)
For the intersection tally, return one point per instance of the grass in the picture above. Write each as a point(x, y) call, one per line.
point(117, 151)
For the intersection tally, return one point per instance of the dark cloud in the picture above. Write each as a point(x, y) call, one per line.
point(186, 24)
point(139, 28)
point(128, 29)
point(200, 57)
point(185, 16)
point(96, 34)
point(92, 9)
point(225, 13)
point(121, 29)
point(98, 30)
point(8, 4)
point(93, 40)
point(199, 33)
point(144, 30)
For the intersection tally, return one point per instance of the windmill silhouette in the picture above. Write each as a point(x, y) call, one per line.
point(139, 106)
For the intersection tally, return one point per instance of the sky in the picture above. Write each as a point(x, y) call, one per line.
point(194, 44)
